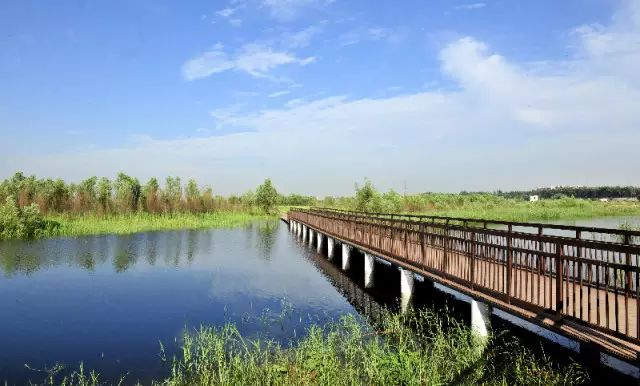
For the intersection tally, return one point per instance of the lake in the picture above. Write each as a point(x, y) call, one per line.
point(109, 301)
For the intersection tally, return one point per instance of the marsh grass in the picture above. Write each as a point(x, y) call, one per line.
point(143, 222)
point(545, 210)
point(420, 349)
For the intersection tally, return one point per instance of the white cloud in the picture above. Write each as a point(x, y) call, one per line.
point(504, 125)
point(301, 38)
point(373, 34)
point(255, 59)
point(226, 12)
point(289, 10)
point(471, 6)
point(279, 93)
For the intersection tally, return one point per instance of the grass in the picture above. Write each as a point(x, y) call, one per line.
point(563, 209)
point(402, 350)
point(142, 222)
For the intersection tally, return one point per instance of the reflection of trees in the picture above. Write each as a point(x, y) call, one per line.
point(25, 264)
point(267, 232)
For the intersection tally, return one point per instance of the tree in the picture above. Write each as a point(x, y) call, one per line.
point(172, 193)
point(104, 193)
point(267, 196)
point(150, 194)
point(193, 196)
point(128, 192)
point(367, 197)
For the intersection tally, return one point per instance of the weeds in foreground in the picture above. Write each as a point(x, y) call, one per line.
point(402, 350)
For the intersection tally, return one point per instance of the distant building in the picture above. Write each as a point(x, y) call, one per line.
point(604, 200)
point(534, 198)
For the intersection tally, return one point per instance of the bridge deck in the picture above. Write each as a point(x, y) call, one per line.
point(544, 280)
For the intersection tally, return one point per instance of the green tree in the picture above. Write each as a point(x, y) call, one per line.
point(367, 197)
point(128, 192)
point(267, 196)
point(151, 196)
point(172, 193)
point(192, 194)
point(104, 194)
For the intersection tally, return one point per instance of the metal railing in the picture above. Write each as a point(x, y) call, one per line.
point(594, 281)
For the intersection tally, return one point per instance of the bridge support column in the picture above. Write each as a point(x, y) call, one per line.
point(320, 239)
point(480, 322)
point(406, 282)
point(369, 263)
point(346, 256)
point(330, 244)
point(304, 233)
point(311, 234)
point(406, 289)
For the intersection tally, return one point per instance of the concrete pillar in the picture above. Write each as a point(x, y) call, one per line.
point(369, 263)
point(405, 303)
point(320, 238)
point(480, 322)
point(310, 237)
point(346, 255)
point(330, 244)
point(304, 233)
point(406, 282)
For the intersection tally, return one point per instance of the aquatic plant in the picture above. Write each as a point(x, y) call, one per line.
point(402, 350)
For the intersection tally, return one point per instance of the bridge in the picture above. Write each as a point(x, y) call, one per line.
point(577, 286)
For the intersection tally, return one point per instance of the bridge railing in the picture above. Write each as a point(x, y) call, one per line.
point(594, 282)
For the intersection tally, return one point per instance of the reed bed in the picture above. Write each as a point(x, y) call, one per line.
point(143, 222)
point(419, 349)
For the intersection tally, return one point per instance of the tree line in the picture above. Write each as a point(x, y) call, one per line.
point(126, 194)
point(585, 192)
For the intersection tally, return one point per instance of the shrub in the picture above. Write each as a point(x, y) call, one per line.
point(27, 222)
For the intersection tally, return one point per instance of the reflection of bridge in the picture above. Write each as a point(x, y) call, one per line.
point(580, 290)
point(355, 294)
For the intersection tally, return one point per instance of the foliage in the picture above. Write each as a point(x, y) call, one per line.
point(267, 196)
point(26, 222)
point(404, 350)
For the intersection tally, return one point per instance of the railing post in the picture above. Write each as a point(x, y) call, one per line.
point(446, 247)
point(559, 279)
point(473, 259)
point(509, 264)
point(422, 243)
point(627, 283)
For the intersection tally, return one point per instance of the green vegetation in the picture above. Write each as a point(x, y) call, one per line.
point(34, 207)
point(267, 197)
point(478, 205)
point(142, 222)
point(25, 222)
point(403, 350)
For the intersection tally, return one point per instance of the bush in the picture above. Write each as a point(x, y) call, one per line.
point(24, 223)
point(267, 197)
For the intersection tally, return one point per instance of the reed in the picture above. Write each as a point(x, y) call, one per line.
point(419, 349)
point(74, 225)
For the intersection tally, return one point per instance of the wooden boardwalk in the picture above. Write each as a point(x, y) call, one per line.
point(584, 288)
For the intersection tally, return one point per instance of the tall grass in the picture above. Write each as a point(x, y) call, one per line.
point(141, 222)
point(402, 350)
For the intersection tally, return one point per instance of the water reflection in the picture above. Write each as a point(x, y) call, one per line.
point(107, 300)
point(178, 248)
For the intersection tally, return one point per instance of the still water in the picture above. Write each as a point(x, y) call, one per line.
point(109, 300)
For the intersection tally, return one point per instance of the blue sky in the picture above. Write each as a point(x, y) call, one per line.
point(316, 94)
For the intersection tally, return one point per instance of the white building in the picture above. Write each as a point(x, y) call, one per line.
point(534, 198)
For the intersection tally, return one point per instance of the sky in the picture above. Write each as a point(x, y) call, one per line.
point(440, 95)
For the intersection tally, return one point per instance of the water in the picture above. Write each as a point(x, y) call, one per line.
point(109, 300)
